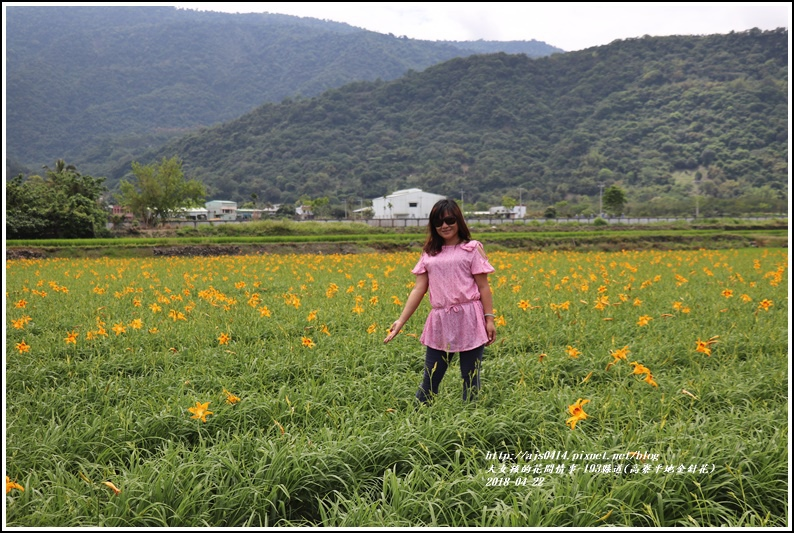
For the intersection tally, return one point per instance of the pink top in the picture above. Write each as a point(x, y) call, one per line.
point(456, 322)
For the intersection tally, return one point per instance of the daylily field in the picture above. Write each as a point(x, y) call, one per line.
point(640, 388)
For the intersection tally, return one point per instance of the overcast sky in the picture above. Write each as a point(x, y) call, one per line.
point(567, 25)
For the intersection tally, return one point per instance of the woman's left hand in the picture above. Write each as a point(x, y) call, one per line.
point(490, 329)
point(393, 330)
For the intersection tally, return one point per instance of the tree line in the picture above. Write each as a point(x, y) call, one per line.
point(678, 123)
point(63, 203)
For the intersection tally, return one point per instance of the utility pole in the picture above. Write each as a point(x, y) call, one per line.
point(697, 199)
point(601, 200)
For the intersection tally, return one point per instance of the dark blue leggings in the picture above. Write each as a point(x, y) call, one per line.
point(436, 363)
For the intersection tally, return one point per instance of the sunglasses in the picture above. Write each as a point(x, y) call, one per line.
point(449, 221)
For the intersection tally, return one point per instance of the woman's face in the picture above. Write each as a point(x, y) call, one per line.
point(448, 228)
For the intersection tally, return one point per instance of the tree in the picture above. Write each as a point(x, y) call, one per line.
point(508, 202)
point(614, 200)
point(285, 211)
point(161, 191)
point(562, 208)
point(62, 204)
point(320, 206)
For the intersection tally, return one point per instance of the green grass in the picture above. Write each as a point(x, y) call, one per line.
point(330, 435)
point(605, 239)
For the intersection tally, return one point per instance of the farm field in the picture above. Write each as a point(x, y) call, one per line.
point(637, 388)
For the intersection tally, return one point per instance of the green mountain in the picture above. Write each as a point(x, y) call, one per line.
point(99, 85)
point(665, 118)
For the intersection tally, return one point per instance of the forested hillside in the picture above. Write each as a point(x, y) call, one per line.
point(99, 85)
point(672, 120)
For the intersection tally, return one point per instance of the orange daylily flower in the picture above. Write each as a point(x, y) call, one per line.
point(200, 411)
point(620, 353)
point(640, 369)
point(22, 347)
point(572, 352)
point(307, 342)
point(231, 398)
point(703, 347)
point(13, 485)
point(577, 413)
point(224, 338)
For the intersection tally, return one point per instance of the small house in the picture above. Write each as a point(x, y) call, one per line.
point(221, 210)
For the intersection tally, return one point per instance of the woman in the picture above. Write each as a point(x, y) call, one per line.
point(454, 268)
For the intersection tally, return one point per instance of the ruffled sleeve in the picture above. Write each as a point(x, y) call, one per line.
point(479, 263)
point(420, 267)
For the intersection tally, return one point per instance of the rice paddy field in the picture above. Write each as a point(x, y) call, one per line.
point(634, 388)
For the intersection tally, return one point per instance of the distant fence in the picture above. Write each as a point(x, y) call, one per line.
point(409, 222)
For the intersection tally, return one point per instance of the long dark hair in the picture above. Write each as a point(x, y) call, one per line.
point(444, 208)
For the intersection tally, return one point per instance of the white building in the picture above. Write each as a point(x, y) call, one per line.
point(195, 213)
point(221, 209)
point(519, 211)
point(304, 212)
point(407, 203)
